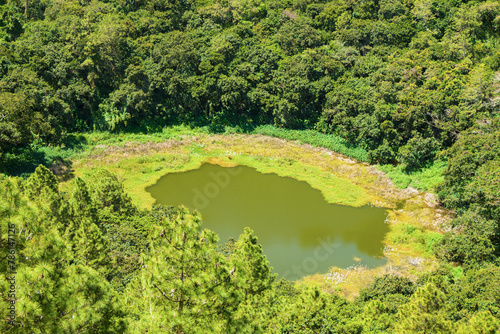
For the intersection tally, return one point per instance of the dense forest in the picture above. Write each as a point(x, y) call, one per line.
point(408, 81)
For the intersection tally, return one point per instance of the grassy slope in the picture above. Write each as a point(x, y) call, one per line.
point(425, 179)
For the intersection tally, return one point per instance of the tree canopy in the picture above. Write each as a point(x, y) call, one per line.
point(404, 82)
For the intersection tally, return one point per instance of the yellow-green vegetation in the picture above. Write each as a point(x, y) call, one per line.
point(413, 218)
point(423, 179)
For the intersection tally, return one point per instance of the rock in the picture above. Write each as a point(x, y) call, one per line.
point(431, 200)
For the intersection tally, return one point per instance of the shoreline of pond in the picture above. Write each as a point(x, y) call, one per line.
point(415, 220)
point(299, 231)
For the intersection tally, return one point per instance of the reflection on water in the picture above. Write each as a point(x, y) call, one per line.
point(301, 234)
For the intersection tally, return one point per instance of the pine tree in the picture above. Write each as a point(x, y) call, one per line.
point(40, 179)
point(251, 267)
point(90, 246)
point(52, 294)
point(80, 203)
point(376, 317)
point(481, 323)
point(107, 192)
point(185, 282)
point(424, 313)
point(42, 188)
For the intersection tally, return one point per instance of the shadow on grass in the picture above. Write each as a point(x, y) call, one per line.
point(62, 169)
point(75, 141)
point(22, 162)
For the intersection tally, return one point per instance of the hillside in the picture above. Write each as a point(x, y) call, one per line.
point(412, 86)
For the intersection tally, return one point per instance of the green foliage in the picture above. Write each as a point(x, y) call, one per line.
point(309, 311)
point(425, 179)
point(89, 245)
point(376, 317)
point(471, 186)
point(473, 243)
point(388, 284)
point(477, 292)
point(417, 152)
point(41, 180)
point(107, 192)
point(328, 141)
point(472, 162)
point(425, 312)
point(482, 323)
point(21, 123)
point(52, 293)
point(80, 202)
point(382, 81)
point(296, 35)
point(127, 240)
point(252, 274)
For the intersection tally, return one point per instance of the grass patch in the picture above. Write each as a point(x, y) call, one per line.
point(425, 179)
point(23, 161)
point(331, 142)
point(420, 239)
point(119, 139)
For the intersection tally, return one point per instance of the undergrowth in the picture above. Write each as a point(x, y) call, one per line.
point(425, 179)
point(331, 142)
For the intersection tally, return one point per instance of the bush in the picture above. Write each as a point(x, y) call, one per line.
point(473, 244)
point(386, 285)
point(417, 152)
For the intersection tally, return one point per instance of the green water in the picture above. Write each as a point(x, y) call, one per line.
point(301, 234)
